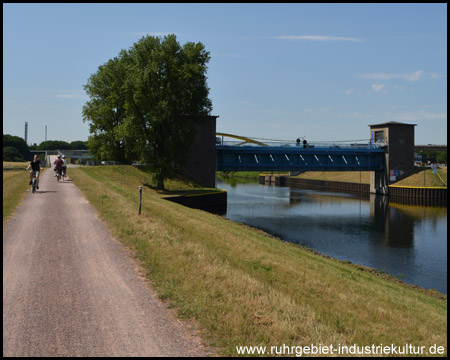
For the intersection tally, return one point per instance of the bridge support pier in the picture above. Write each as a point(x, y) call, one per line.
point(379, 182)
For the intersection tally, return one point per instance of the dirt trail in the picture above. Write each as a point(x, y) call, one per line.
point(70, 289)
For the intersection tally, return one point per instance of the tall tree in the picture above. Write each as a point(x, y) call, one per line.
point(145, 103)
point(105, 111)
point(167, 95)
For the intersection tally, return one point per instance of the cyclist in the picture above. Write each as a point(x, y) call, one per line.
point(58, 165)
point(64, 166)
point(36, 168)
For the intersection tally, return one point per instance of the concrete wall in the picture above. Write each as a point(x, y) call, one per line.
point(418, 192)
point(282, 180)
point(200, 165)
point(212, 202)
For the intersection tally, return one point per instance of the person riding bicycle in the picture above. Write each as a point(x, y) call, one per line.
point(64, 166)
point(58, 165)
point(36, 168)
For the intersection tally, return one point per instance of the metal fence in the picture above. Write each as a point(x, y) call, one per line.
point(315, 144)
point(100, 163)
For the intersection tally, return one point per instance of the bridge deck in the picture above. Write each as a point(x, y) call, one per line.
point(280, 158)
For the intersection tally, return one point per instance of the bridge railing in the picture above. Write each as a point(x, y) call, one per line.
point(294, 144)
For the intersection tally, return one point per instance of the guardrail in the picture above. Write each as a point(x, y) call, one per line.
point(301, 145)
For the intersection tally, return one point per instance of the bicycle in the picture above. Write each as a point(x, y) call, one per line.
point(33, 182)
point(58, 174)
point(63, 173)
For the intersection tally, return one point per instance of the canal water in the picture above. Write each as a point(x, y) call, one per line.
point(406, 241)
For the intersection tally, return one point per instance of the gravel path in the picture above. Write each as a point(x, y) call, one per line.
point(71, 289)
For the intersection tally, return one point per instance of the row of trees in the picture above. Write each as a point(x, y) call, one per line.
point(434, 156)
point(60, 145)
point(143, 104)
point(16, 149)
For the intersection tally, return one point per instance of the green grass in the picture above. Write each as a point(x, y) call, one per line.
point(15, 186)
point(242, 286)
point(423, 178)
point(362, 177)
point(254, 175)
point(443, 174)
point(15, 165)
point(416, 179)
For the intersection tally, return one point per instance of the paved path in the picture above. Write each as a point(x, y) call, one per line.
point(72, 290)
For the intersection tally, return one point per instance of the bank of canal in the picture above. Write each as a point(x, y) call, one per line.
point(406, 241)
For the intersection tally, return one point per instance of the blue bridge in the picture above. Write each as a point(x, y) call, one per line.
point(299, 157)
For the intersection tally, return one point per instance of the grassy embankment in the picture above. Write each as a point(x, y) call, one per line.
point(15, 186)
point(416, 179)
point(429, 180)
point(254, 175)
point(245, 287)
point(12, 165)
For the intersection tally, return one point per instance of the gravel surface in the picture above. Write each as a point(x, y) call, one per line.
point(71, 289)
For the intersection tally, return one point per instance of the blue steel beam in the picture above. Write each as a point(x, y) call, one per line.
point(274, 158)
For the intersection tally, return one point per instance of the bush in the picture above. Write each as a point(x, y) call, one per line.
point(12, 154)
point(18, 144)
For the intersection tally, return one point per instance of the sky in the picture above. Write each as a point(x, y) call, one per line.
point(323, 72)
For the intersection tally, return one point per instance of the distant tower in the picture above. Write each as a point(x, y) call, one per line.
point(26, 132)
point(45, 132)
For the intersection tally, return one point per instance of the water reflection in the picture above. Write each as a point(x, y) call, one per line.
point(404, 240)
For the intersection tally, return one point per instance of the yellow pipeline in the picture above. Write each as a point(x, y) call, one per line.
point(242, 138)
point(418, 187)
point(439, 176)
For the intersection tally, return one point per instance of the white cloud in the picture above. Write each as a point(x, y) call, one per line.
point(419, 115)
point(316, 38)
point(415, 76)
point(349, 92)
point(435, 76)
point(378, 87)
